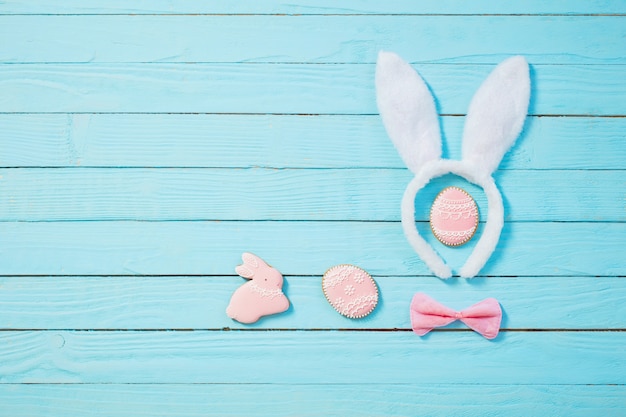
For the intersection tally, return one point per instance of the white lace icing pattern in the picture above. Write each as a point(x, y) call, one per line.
point(336, 277)
point(363, 303)
point(454, 233)
point(455, 209)
point(264, 292)
point(359, 277)
point(342, 286)
point(349, 290)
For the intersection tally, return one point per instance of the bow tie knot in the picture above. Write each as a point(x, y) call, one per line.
point(483, 317)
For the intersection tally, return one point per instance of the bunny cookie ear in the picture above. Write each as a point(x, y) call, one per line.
point(250, 264)
point(244, 271)
point(496, 115)
point(251, 260)
point(408, 111)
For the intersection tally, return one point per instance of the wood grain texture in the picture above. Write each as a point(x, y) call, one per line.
point(243, 357)
point(307, 400)
point(145, 145)
point(296, 39)
point(282, 141)
point(269, 194)
point(199, 302)
point(285, 88)
point(301, 248)
point(315, 7)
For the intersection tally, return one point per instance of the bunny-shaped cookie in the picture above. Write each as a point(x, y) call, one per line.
point(261, 296)
point(494, 120)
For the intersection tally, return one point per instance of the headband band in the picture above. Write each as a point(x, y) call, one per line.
point(494, 120)
point(490, 235)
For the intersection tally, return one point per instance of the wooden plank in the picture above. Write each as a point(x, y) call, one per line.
point(375, 399)
point(161, 344)
point(308, 7)
point(194, 302)
point(284, 88)
point(243, 357)
point(43, 194)
point(297, 39)
point(281, 141)
point(212, 248)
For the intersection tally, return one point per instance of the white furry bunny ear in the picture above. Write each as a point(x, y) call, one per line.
point(408, 111)
point(496, 115)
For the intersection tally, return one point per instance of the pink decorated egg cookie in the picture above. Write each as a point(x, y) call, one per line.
point(454, 216)
point(350, 290)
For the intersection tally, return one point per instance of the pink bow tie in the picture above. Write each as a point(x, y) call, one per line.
point(483, 317)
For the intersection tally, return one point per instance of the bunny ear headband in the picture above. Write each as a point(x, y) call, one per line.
point(493, 122)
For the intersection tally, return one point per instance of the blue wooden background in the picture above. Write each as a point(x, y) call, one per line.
point(145, 145)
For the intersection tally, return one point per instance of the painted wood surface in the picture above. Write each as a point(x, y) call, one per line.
point(301, 248)
point(25, 400)
point(272, 357)
point(198, 302)
point(191, 38)
point(284, 88)
point(315, 7)
point(282, 141)
point(145, 145)
point(270, 194)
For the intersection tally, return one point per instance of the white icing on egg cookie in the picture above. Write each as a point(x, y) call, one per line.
point(350, 290)
point(454, 216)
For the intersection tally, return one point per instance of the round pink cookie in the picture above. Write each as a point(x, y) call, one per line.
point(350, 290)
point(454, 216)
